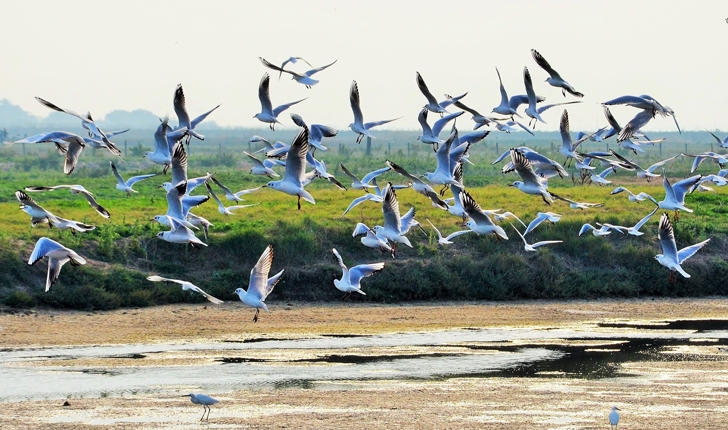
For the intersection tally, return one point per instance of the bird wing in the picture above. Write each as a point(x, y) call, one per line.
point(667, 238)
point(296, 160)
point(56, 108)
point(402, 171)
point(259, 273)
point(179, 164)
point(633, 101)
point(642, 222)
point(457, 233)
point(344, 269)
point(545, 242)
point(355, 105)
point(160, 137)
point(544, 64)
point(189, 202)
point(255, 161)
point(269, 65)
point(359, 200)
point(214, 196)
point(689, 251)
point(442, 122)
point(198, 120)
point(174, 201)
point(43, 247)
point(283, 107)
point(360, 229)
point(390, 209)
point(94, 204)
point(371, 175)
point(422, 119)
point(634, 125)
point(503, 93)
point(564, 129)
point(368, 125)
point(264, 94)
point(423, 87)
point(179, 107)
point(362, 271)
point(116, 173)
point(528, 82)
point(661, 163)
point(222, 187)
point(134, 179)
point(540, 218)
point(682, 187)
point(318, 69)
point(272, 281)
point(54, 270)
point(542, 109)
point(473, 210)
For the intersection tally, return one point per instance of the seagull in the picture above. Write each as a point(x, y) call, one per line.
point(260, 286)
point(204, 400)
point(220, 207)
point(164, 140)
point(304, 79)
point(504, 108)
point(292, 60)
point(649, 108)
point(180, 233)
point(722, 143)
point(67, 143)
point(184, 118)
point(350, 281)
point(545, 166)
point(186, 286)
point(520, 99)
point(38, 214)
point(530, 183)
point(479, 119)
point(228, 193)
point(395, 225)
point(634, 231)
point(199, 221)
point(191, 184)
point(577, 205)
point(264, 167)
point(363, 184)
point(359, 126)
point(419, 186)
point(675, 194)
point(601, 177)
point(720, 159)
point(179, 205)
point(479, 221)
point(568, 149)
point(432, 104)
point(267, 113)
point(443, 174)
point(371, 240)
point(76, 189)
point(316, 132)
point(279, 149)
point(614, 417)
point(634, 197)
point(531, 110)
point(295, 163)
point(57, 254)
point(541, 217)
point(508, 127)
point(671, 257)
point(86, 121)
point(555, 80)
point(532, 247)
point(75, 226)
point(602, 231)
point(320, 170)
point(447, 240)
point(129, 183)
point(430, 135)
point(644, 173)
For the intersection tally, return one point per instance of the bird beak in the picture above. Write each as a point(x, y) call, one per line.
point(510, 185)
point(159, 186)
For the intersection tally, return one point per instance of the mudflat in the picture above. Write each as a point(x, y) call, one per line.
point(669, 393)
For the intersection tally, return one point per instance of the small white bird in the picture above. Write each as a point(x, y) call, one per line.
point(603, 231)
point(447, 240)
point(187, 286)
point(577, 205)
point(350, 281)
point(634, 231)
point(479, 221)
point(267, 113)
point(221, 207)
point(671, 257)
point(180, 233)
point(184, 118)
point(541, 217)
point(531, 183)
point(636, 198)
point(430, 135)
point(359, 126)
point(532, 247)
point(264, 167)
point(418, 185)
point(555, 80)
point(675, 194)
point(292, 182)
point(316, 132)
point(614, 417)
point(204, 400)
point(304, 79)
point(363, 184)
point(38, 215)
point(260, 286)
point(371, 240)
point(432, 104)
point(76, 189)
point(129, 183)
point(86, 121)
point(228, 193)
point(57, 254)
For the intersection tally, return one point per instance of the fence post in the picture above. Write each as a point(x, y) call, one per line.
point(369, 146)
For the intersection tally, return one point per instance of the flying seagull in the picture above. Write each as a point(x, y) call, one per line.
point(187, 286)
point(57, 254)
point(555, 80)
point(260, 286)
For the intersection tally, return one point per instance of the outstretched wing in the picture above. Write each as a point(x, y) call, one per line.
point(544, 64)
point(362, 271)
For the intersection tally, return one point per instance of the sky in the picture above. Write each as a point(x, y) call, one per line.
point(103, 56)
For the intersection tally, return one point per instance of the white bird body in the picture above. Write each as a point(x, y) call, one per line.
point(671, 257)
point(350, 281)
point(37, 213)
point(204, 400)
point(554, 79)
point(303, 79)
point(675, 194)
point(260, 286)
point(57, 254)
point(370, 238)
point(635, 198)
point(359, 126)
point(180, 233)
point(267, 113)
point(447, 240)
point(531, 183)
point(127, 185)
point(614, 417)
point(76, 189)
point(479, 221)
point(185, 123)
point(604, 230)
point(532, 247)
point(292, 182)
point(221, 207)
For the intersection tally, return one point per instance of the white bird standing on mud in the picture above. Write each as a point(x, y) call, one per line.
point(204, 400)
point(614, 417)
point(260, 286)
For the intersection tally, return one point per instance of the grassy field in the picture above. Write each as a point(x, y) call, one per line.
point(123, 250)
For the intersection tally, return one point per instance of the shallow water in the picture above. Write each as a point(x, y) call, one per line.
point(590, 351)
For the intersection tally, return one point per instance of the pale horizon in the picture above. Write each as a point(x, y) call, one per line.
point(98, 57)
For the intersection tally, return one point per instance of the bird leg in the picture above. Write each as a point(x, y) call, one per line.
point(445, 188)
point(676, 216)
point(346, 296)
point(255, 318)
point(299, 203)
point(204, 409)
point(166, 167)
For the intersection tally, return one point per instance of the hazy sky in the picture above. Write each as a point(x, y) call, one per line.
point(102, 56)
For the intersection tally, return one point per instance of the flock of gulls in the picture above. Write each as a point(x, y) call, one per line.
point(300, 166)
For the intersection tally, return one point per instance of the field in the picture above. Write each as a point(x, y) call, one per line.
point(123, 250)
